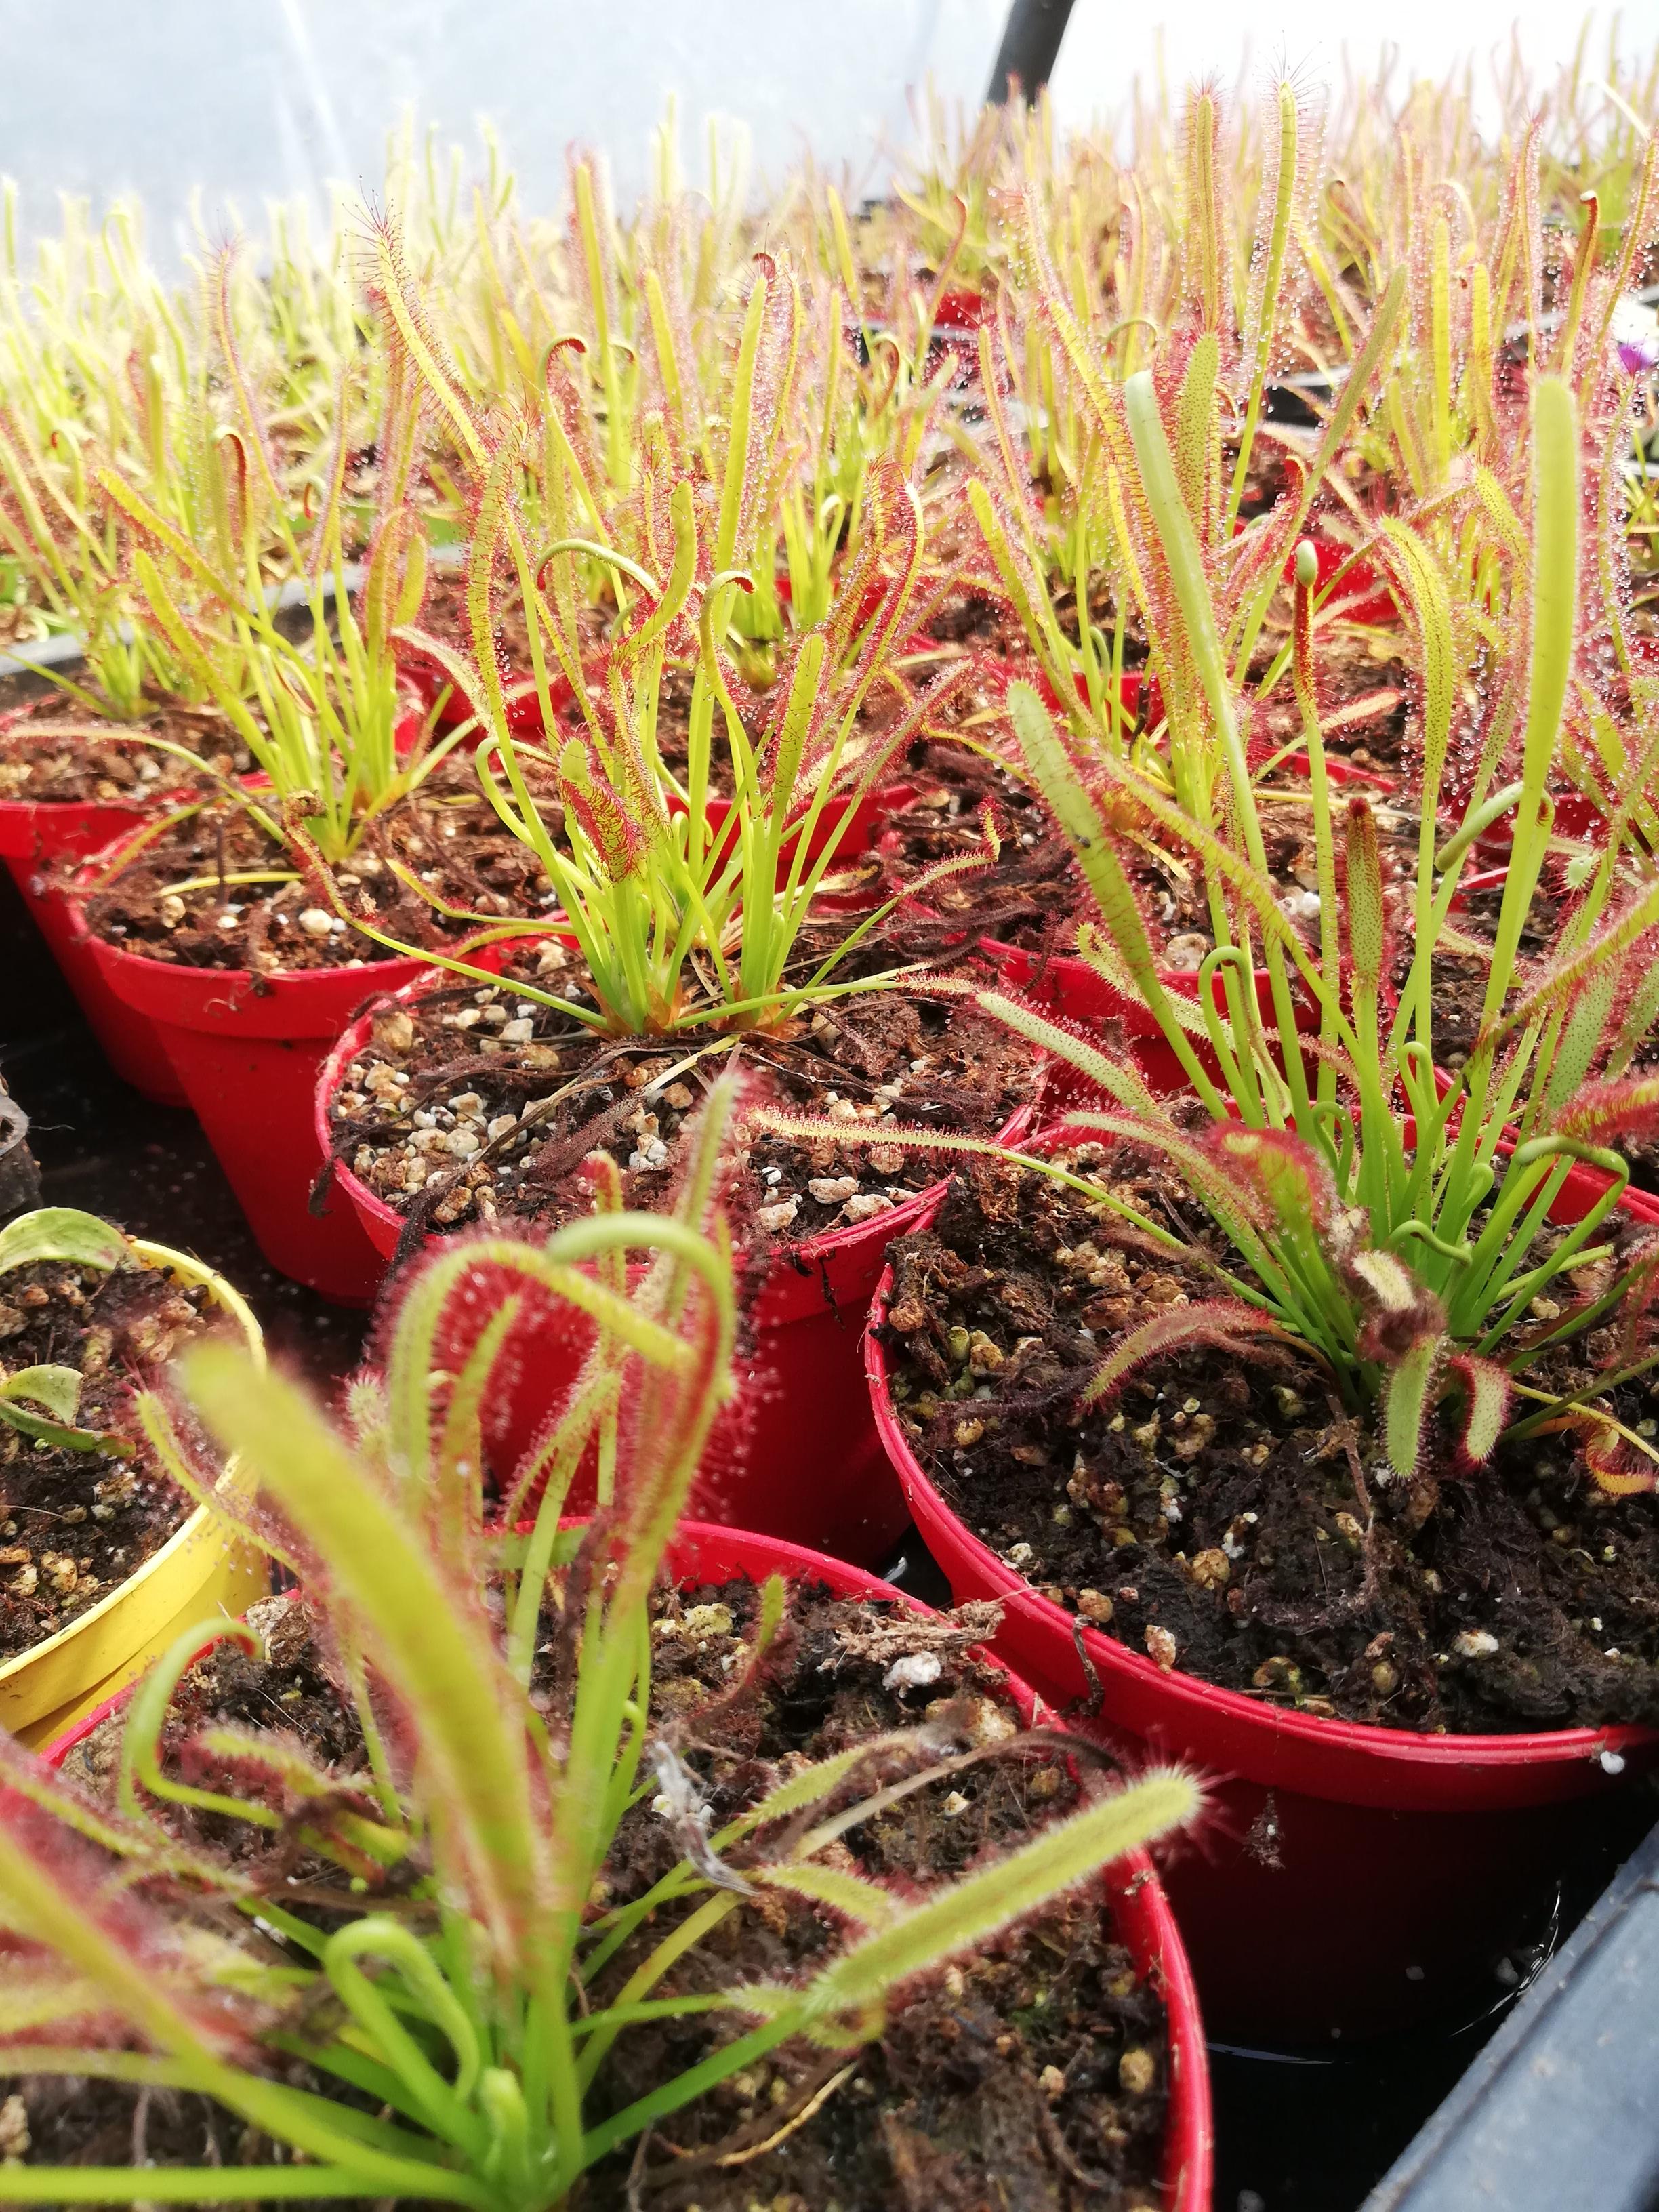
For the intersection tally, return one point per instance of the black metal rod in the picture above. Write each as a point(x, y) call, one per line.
point(1031, 41)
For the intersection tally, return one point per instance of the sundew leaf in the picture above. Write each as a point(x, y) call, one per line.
point(1406, 1397)
point(1600, 1112)
point(1222, 1324)
point(866, 1903)
point(1425, 586)
point(1119, 1078)
point(812, 1784)
point(1297, 1184)
point(45, 1996)
point(1069, 801)
point(967, 1911)
point(28, 1781)
point(56, 1898)
point(1555, 571)
point(1488, 1394)
point(469, 1713)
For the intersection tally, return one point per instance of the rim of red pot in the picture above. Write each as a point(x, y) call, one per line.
point(523, 715)
point(228, 980)
point(1397, 1746)
point(1341, 771)
point(352, 1039)
point(45, 831)
point(59, 807)
point(68, 814)
point(1142, 1024)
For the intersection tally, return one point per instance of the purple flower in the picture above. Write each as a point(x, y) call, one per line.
point(1636, 336)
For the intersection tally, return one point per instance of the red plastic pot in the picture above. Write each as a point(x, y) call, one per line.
point(961, 308)
point(1141, 1918)
point(796, 1456)
point(246, 1049)
point(1576, 817)
point(1483, 879)
point(1576, 814)
point(1342, 773)
point(524, 713)
point(1364, 596)
point(957, 321)
point(38, 842)
point(1358, 1879)
point(1134, 688)
point(869, 599)
point(1082, 998)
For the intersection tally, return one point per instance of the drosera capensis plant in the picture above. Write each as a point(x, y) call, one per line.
point(1093, 532)
point(165, 409)
point(447, 1995)
point(72, 552)
point(76, 318)
point(1440, 310)
point(322, 716)
point(1394, 1220)
point(685, 900)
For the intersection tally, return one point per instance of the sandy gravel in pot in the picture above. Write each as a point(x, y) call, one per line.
point(472, 1103)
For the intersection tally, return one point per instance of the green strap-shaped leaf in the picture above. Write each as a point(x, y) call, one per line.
point(57, 1389)
point(865, 1902)
point(1426, 587)
point(1068, 800)
point(473, 1727)
point(1555, 571)
point(966, 1912)
point(815, 1783)
point(62, 1232)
